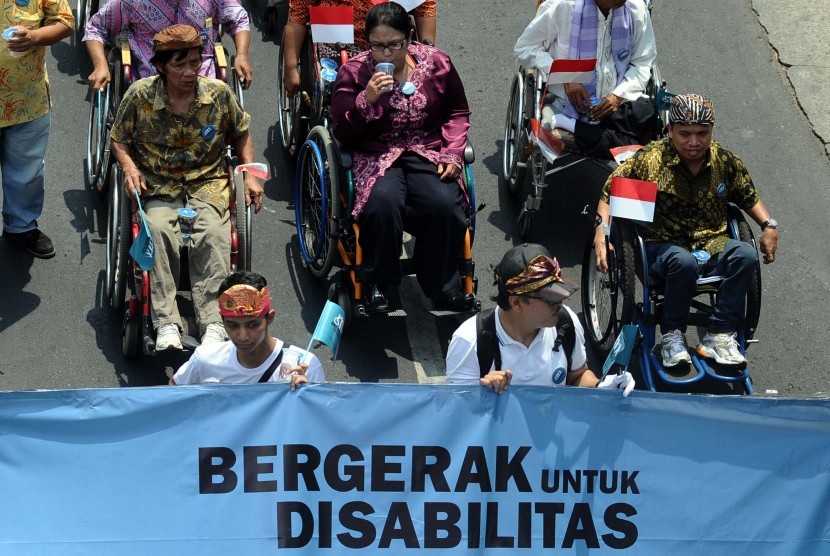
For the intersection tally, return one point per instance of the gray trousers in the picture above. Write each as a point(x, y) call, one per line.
point(209, 256)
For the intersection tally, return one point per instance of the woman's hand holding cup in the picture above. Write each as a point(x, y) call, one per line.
point(381, 82)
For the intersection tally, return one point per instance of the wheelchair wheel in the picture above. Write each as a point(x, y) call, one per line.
point(118, 240)
point(753, 294)
point(515, 139)
point(317, 201)
point(654, 85)
point(288, 108)
point(243, 224)
point(97, 136)
point(234, 83)
point(131, 336)
point(608, 299)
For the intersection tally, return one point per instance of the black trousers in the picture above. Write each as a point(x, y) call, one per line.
point(634, 123)
point(410, 197)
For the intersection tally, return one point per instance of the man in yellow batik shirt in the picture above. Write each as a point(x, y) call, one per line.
point(28, 27)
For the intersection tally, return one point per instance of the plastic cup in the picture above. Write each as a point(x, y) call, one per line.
point(187, 216)
point(290, 359)
point(388, 68)
point(9, 34)
point(329, 63)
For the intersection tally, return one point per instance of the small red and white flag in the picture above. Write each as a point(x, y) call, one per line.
point(572, 71)
point(550, 145)
point(332, 24)
point(621, 154)
point(258, 169)
point(633, 199)
point(408, 5)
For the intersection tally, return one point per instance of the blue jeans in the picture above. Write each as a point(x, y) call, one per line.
point(22, 149)
point(677, 267)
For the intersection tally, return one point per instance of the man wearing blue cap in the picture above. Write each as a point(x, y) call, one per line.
point(696, 180)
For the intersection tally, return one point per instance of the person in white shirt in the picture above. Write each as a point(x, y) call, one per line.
point(252, 355)
point(528, 347)
point(619, 35)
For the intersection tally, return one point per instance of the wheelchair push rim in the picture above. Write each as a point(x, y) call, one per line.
point(317, 202)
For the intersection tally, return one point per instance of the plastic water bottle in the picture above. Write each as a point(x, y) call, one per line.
point(702, 257)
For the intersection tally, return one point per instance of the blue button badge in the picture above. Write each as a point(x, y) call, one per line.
point(558, 376)
point(721, 191)
point(408, 88)
point(208, 132)
point(623, 55)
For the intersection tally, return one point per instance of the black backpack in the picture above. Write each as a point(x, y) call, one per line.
point(487, 344)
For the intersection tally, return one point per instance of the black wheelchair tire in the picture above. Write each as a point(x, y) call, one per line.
point(243, 232)
point(317, 201)
point(513, 140)
point(131, 336)
point(339, 294)
point(96, 136)
point(233, 81)
point(753, 294)
point(288, 108)
point(119, 237)
point(601, 328)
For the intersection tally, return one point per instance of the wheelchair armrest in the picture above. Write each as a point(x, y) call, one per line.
point(344, 153)
point(469, 153)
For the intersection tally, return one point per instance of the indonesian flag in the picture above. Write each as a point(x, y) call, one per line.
point(633, 199)
point(258, 169)
point(550, 145)
point(332, 24)
point(408, 5)
point(572, 71)
point(621, 154)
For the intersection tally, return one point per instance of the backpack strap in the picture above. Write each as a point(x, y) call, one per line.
point(487, 344)
point(269, 372)
point(565, 335)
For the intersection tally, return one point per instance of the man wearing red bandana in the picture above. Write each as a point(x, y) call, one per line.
point(252, 355)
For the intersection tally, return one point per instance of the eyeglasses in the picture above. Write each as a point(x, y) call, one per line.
point(391, 47)
point(552, 304)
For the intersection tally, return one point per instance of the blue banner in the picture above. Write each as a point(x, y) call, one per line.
point(397, 469)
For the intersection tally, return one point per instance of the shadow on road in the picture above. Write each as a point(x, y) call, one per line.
point(14, 275)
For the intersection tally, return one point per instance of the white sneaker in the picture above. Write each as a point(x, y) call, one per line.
point(721, 347)
point(674, 349)
point(168, 337)
point(214, 333)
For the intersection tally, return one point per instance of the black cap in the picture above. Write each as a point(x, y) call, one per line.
point(529, 268)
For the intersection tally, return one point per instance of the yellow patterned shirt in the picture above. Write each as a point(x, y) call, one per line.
point(24, 85)
point(181, 155)
point(690, 210)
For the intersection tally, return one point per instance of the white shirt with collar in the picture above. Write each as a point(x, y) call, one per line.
point(547, 38)
point(536, 364)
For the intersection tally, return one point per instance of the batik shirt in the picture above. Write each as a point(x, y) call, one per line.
point(690, 211)
point(24, 85)
point(181, 155)
point(298, 12)
point(432, 122)
point(144, 18)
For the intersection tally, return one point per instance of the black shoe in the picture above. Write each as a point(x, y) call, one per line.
point(34, 241)
point(376, 303)
point(459, 302)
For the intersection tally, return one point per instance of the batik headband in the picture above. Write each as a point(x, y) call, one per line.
point(176, 37)
point(243, 300)
point(689, 109)
point(540, 272)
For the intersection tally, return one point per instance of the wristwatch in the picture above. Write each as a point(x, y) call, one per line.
point(769, 223)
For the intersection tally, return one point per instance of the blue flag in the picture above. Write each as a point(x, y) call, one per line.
point(142, 250)
point(329, 327)
point(621, 351)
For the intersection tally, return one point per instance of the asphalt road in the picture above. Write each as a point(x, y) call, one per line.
point(56, 330)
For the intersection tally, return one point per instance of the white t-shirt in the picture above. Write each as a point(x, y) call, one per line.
point(536, 365)
point(547, 38)
point(219, 364)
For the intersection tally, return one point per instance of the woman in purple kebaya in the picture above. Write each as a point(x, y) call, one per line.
point(407, 131)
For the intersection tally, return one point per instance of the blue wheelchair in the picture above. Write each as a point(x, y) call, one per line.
point(613, 299)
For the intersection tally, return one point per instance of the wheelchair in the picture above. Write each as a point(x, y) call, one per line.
point(104, 106)
point(520, 154)
point(123, 222)
point(615, 298)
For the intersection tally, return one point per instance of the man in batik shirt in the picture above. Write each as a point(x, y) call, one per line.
point(26, 119)
point(169, 138)
point(697, 179)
